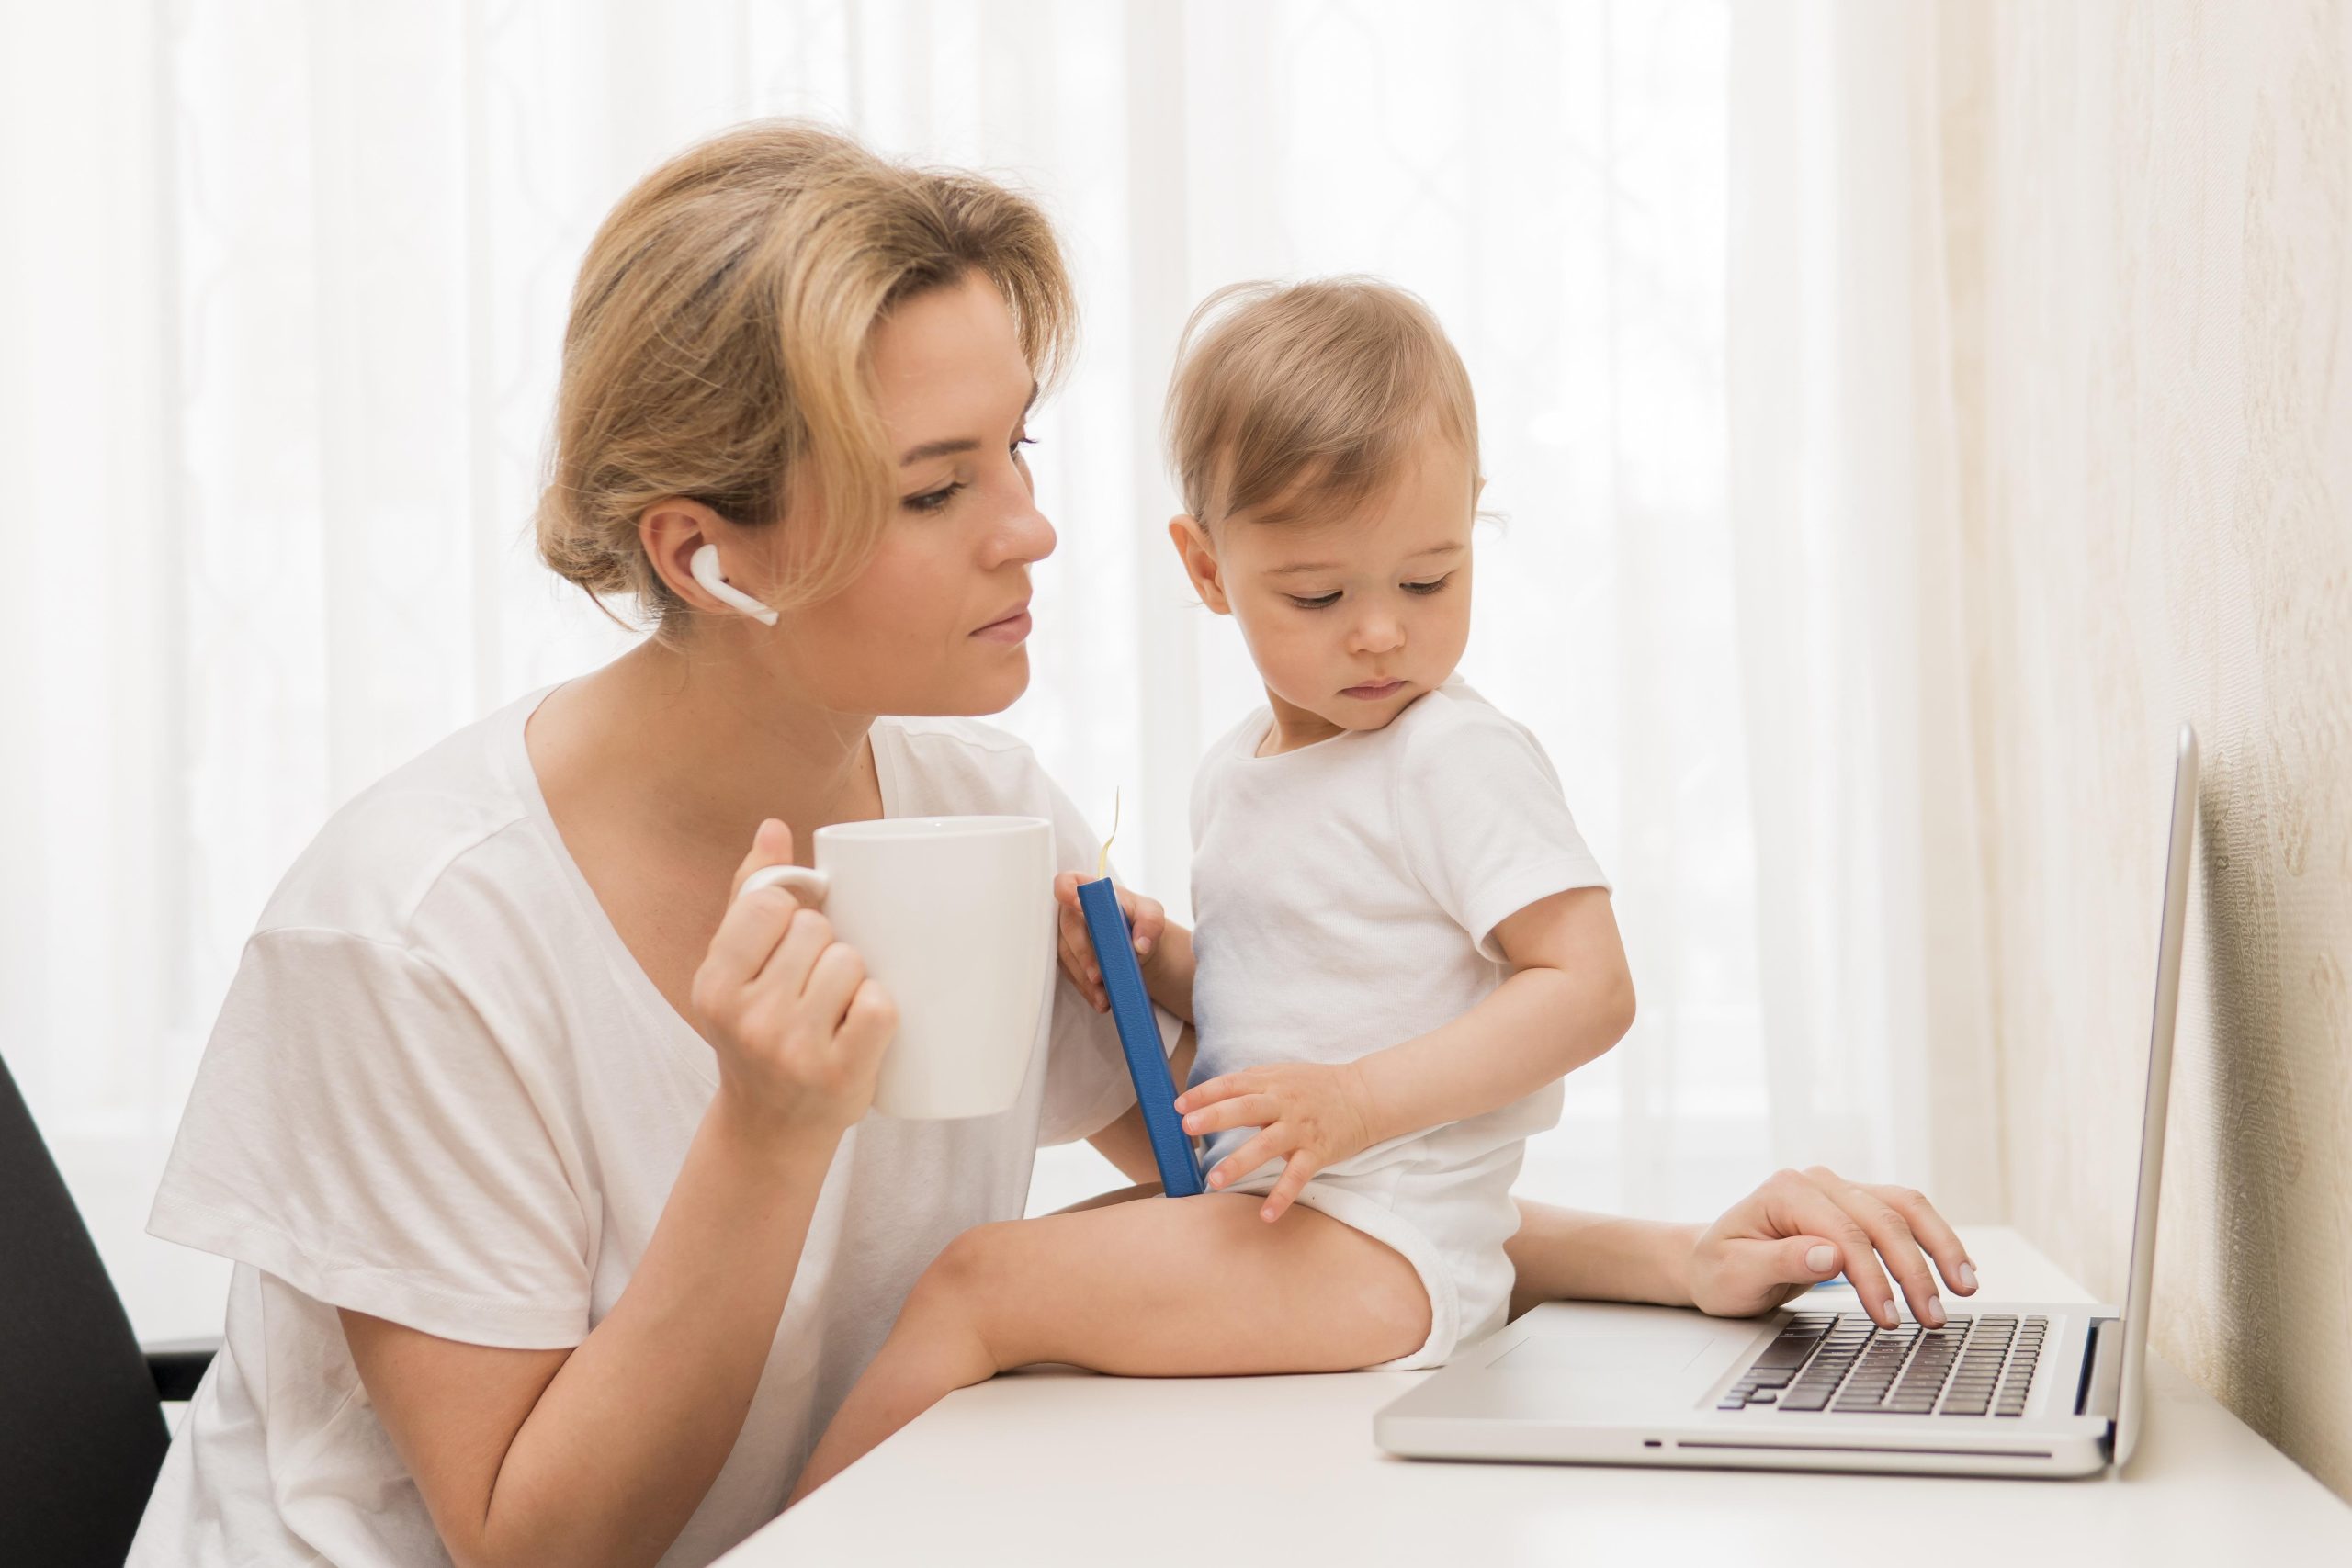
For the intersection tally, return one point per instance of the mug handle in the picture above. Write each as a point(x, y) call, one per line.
point(802, 882)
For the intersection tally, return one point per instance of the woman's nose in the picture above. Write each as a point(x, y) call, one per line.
point(1023, 536)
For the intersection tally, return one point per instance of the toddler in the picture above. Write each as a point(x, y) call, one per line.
point(1403, 944)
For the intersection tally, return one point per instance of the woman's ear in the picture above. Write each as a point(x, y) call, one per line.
point(674, 529)
point(1193, 547)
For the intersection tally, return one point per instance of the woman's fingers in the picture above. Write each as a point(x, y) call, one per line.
point(785, 974)
point(771, 845)
point(1896, 1246)
point(1066, 890)
point(1241, 1110)
point(1297, 1170)
point(1813, 1212)
point(871, 1018)
point(833, 980)
point(1942, 1241)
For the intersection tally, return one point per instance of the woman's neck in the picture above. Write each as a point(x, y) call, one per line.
point(701, 754)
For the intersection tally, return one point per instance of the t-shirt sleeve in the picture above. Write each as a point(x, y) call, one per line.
point(1087, 1086)
point(358, 1130)
point(1483, 824)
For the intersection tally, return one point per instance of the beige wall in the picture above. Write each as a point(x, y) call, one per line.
point(2149, 239)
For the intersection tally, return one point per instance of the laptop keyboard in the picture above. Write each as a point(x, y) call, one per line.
point(1838, 1362)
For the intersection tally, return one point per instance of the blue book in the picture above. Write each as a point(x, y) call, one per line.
point(1115, 951)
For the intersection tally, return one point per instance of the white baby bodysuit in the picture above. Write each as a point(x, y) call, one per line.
point(1346, 895)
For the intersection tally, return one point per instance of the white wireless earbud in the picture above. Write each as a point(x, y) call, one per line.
point(704, 566)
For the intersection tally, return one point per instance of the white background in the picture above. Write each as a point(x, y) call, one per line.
point(283, 288)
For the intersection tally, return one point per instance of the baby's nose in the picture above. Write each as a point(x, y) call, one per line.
point(1377, 634)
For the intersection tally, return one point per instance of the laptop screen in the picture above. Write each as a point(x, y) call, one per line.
point(2129, 1405)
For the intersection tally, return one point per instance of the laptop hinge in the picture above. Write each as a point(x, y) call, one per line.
point(2102, 1382)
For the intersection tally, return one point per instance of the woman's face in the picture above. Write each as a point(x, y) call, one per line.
point(938, 622)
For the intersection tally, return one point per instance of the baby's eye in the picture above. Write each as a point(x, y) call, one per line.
point(1319, 602)
point(1432, 586)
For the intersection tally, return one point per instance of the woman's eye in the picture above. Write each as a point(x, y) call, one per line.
point(933, 501)
point(1320, 602)
point(1432, 586)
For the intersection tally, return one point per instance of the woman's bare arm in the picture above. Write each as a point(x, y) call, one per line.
point(1795, 1230)
point(599, 1454)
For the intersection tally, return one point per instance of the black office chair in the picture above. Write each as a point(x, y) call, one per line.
point(81, 1431)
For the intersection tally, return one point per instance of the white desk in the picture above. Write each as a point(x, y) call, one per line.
point(1054, 1466)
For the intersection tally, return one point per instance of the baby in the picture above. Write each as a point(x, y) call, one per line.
point(1402, 943)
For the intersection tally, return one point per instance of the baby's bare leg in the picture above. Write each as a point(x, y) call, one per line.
point(1161, 1287)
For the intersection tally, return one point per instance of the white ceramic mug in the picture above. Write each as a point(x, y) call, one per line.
point(955, 917)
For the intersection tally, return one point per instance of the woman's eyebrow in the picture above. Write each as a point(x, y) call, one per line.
point(949, 448)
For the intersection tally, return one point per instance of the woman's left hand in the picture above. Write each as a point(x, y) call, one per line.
point(1802, 1228)
point(1310, 1115)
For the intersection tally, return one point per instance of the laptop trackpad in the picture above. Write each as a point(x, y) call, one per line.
point(1648, 1358)
point(1595, 1373)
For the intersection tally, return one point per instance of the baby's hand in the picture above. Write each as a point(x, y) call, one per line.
point(1146, 921)
point(1310, 1115)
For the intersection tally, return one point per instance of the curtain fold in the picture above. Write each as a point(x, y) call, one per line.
point(1853, 642)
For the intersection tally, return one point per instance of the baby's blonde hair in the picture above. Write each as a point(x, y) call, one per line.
point(1301, 399)
point(718, 345)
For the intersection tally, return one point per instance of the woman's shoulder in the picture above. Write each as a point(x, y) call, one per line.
point(454, 816)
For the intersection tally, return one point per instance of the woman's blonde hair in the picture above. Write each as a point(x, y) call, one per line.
point(1292, 399)
point(718, 345)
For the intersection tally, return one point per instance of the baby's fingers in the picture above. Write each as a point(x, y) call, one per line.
point(1266, 1146)
point(1078, 962)
point(1222, 1088)
point(1146, 921)
point(1296, 1172)
point(1241, 1110)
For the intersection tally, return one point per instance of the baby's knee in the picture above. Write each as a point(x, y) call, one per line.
point(961, 1294)
point(965, 1268)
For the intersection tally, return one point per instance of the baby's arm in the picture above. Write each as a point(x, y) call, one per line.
point(1568, 999)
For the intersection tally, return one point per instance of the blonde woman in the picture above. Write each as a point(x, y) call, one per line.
point(561, 1228)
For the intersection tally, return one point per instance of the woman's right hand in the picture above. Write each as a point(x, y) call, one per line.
point(798, 1025)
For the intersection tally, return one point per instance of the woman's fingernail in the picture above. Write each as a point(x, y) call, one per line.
point(1967, 1275)
point(1216, 1179)
point(1887, 1315)
point(1935, 1311)
point(1820, 1258)
point(1191, 1123)
point(1143, 945)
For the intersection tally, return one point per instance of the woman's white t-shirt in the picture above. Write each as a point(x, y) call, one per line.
point(442, 1092)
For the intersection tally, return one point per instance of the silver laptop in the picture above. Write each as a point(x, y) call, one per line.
point(2005, 1388)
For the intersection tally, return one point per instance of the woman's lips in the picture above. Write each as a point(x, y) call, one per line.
point(1012, 628)
point(1374, 691)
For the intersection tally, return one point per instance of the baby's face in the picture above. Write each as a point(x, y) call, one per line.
point(1350, 620)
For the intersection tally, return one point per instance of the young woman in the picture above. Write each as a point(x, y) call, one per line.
point(560, 1229)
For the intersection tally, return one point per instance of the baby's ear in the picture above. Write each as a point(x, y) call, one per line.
point(1193, 547)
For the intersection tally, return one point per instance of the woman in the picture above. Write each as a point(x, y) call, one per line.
point(560, 1227)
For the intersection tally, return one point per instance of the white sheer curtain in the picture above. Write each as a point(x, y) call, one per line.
point(283, 285)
